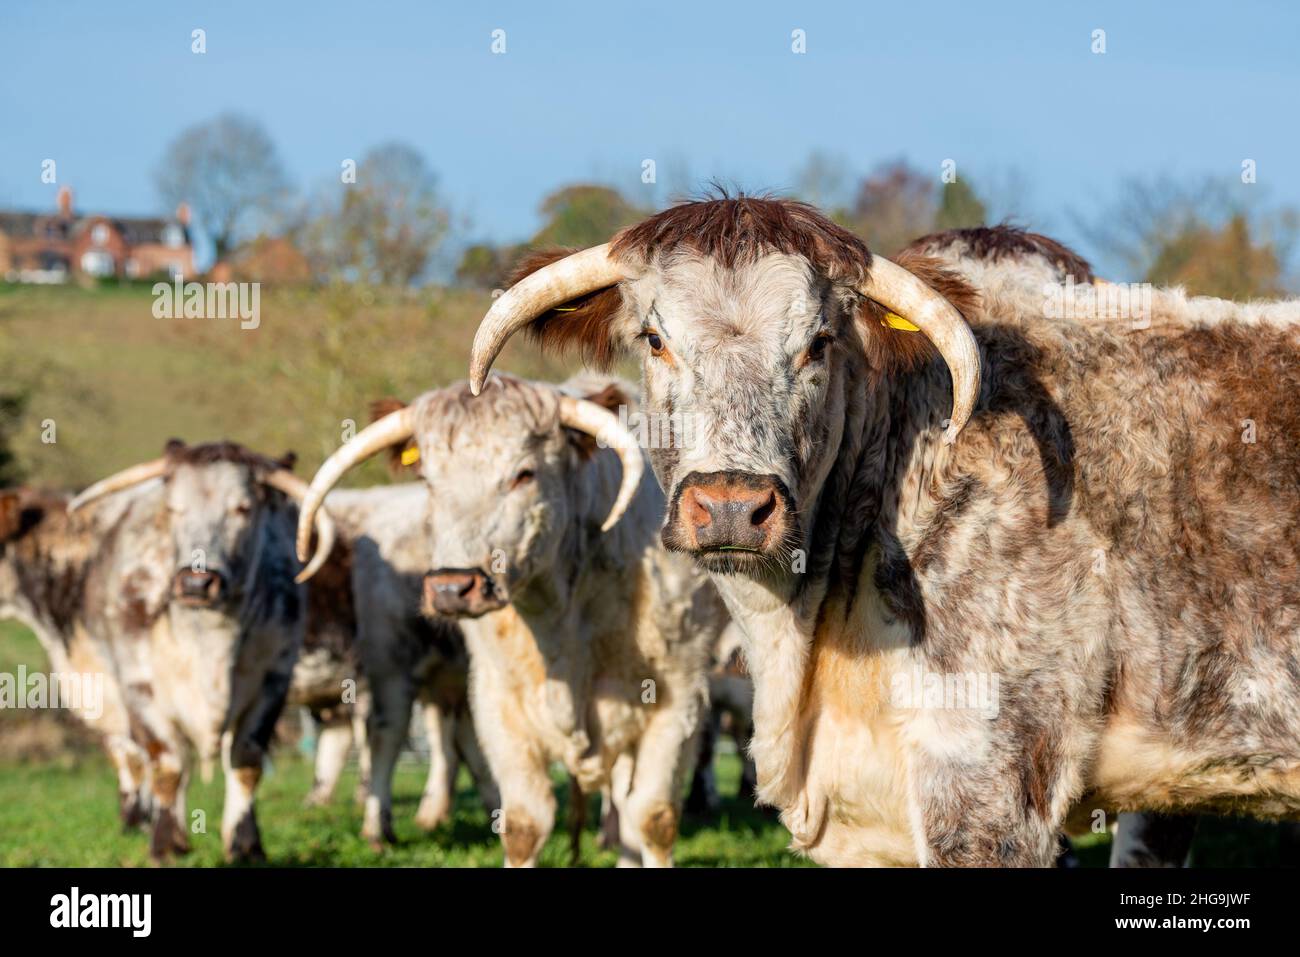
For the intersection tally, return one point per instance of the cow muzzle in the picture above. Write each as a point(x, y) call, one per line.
point(728, 514)
point(198, 588)
point(460, 593)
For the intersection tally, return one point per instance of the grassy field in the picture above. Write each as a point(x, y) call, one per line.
point(58, 806)
point(118, 383)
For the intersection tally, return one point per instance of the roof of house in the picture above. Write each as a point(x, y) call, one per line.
point(134, 229)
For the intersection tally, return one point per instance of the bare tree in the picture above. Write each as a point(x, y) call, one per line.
point(384, 228)
point(228, 171)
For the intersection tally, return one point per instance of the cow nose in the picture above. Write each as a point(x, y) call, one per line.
point(190, 585)
point(462, 592)
point(725, 511)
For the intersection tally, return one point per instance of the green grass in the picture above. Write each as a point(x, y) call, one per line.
point(118, 382)
point(66, 816)
point(60, 809)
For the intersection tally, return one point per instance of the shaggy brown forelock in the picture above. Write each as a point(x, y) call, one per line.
point(741, 230)
point(735, 232)
point(210, 453)
point(1002, 241)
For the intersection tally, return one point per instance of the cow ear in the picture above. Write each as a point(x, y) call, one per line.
point(612, 397)
point(891, 345)
point(402, 458)
point(587, 325)
point(287, 461)
point(173, 447)
point(11, 516)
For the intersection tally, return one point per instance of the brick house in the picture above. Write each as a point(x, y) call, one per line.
point(62, 244)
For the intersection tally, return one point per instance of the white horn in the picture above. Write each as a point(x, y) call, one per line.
point(551, 286)
point(390, 430)
point(297, 489)
point(118, 481)
point(897, 289)
point(604, 426)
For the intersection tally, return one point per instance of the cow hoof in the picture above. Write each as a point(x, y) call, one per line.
point(134, 813)
point(168, 837)
point(431, 814)
point(316, 799)
point(245, 845)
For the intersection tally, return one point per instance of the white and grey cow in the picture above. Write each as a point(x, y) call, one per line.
point(588, 641)
point(987, 558)
point(369, 653)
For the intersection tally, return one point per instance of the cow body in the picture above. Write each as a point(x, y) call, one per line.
point(45, 560)
point(1085, 598)
point(588, 645)
point(599, 661)
point(365, 627)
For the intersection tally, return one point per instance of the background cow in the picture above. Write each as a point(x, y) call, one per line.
point(46, 557)
point(588, 642)
point(365, 626)
point(193, 596)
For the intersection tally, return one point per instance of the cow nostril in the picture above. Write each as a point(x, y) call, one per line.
point(764, 511)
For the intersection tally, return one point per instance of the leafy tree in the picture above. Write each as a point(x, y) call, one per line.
point(584, 215)
point(384, 228)
point(228, 171)
point(1225, 262)
point(959, 207)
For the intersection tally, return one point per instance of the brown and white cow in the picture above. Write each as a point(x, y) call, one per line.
point(990, 568)
point(191, 596)
point(588, 641)
point(46, 555)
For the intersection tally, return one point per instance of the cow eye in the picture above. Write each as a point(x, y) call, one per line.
point(655, 343)
point(817, 350)
point(522, 477)
point(243, 508)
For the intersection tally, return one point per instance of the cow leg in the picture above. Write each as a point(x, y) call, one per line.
point(703, 797)
point(1153, 840)
point(131, 763)
point(653, 805)
point(436, 801)
point(467, 747)
point(242, 767)
point(998, 812)
point(607, 835)
point(621, 835)
point(391, 696)
point(168, 776)
point(243, 752)
point(360, 720)
point(332, 746)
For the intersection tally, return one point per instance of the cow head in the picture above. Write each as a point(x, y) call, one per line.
point(765, 325)
point(215, 497)
point(218, 539)
point(510, 478)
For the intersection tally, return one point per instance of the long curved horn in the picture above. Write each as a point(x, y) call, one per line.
point(391, 429)
point(553, 285)
point(599, 422)
point(119, 481)
point(297, 489)
point(897, 289)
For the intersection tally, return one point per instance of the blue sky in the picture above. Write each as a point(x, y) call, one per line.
point(588, 91)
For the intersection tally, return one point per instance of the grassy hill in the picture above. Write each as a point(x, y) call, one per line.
point(118, 382)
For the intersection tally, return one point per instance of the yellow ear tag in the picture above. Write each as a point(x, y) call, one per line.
point(895, 321)
point(410, 456)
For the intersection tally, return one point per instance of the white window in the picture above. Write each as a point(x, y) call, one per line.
point(173, 235)
point(99, 235)
point(96, 262)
